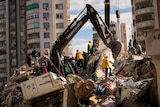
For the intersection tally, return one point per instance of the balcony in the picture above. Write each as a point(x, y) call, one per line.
point(32, 2)
point(2, 51)
point(36, 30)
point(34, 20)
point(32, 11)
point(2, 29)
point(2, 38)
point(144, 11)
point(3, 65)
point(2, 21)
point(3, 56)
point(30, 50)
point(145, 24)
point(2, 74)
point(2, 3)
point(153, 42)
point(2, 12)
point(34, 40)
point(139, 1)
point(140, 37)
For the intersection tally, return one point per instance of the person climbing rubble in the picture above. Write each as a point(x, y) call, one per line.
point(90, 47)
point(86, 57)
point(139, 49)
point(106, 65)
point(34, 53)
point(79, 59)
point(131, 48)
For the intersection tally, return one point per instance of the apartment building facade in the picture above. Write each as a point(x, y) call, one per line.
point(126, 34)
point(45, 20)
point(146, 16)
point(29, 24)
point(11, 36)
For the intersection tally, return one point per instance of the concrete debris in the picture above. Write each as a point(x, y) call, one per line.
point(133, 83)
point(94, 69)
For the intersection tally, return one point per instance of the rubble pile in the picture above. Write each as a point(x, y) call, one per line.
point(133, 83)
point(143, 84)
point(133, 78)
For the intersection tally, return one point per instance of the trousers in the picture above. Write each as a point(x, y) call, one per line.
point(108, 70)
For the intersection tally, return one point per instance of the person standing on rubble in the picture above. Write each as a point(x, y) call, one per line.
point(90, 47)
point(34, 53)
point(139, 49)
point(132, 49)
point(29, 57)
point(79, 59)
point(134, 42)
point(106, 65)
point(85, 56)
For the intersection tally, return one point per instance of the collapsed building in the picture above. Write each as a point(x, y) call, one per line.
point(133, 83)
point(134, 77)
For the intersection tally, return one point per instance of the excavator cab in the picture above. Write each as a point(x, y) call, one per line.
point(88, 13)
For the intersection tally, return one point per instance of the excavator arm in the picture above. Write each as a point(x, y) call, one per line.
point(90, 14)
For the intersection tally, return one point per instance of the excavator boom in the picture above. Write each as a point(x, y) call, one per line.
point(90, 14)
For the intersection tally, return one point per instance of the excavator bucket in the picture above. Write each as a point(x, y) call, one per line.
point(116, 48)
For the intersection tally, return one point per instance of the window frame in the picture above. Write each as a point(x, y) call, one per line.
point(59, 6)
point(59, 25)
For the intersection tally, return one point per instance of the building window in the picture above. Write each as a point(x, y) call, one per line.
point(59, 6)
point(13, 62)
point(59, 16)
point(12, 8)
point(46, 35)
point(2, 61)
point(12, 26)
point(21, 7)
point(21, 15)
point(59, 25)
point(46, 25)
point(2, 7)
point(45, 6)
point(46, 45)
point(45, 15)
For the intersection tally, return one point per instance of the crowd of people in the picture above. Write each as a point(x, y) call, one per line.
point(79, 61)
point(81, 58)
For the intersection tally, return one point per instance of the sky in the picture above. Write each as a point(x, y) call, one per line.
point(81, 39)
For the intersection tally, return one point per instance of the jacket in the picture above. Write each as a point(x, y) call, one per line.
point(79, 56)
point(105, 63)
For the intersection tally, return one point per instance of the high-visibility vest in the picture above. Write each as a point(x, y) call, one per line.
point(90, 46)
